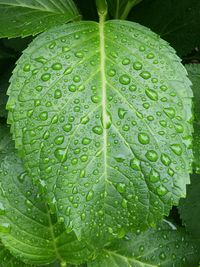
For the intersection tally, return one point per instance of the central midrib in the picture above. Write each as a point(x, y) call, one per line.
point(103, 78)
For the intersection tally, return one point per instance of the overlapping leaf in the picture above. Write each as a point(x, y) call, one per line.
point(120, 9)
point(101, 115)
point(178, 22)
point(190, 207)
point(162, 247)
point(194, 75)
point(30, 17)
point(27, 228)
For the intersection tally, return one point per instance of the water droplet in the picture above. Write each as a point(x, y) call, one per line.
point(177, 149)
point(121, 188)
point(154, 176)
point(137, 65)
point(57, 94)
point(27, 67)
point(143, 138)
point(57, 66)
point(84, 120)
point(90, 195)
point(151, 94)
point(84, 158)
point(59, 140)
point(111, 73)
point(46, 135)
point(179, 128)
point(38, 88)
point(152, 155)
point(120, 158)
point(161, 190)
point(60, 154)
point(135, 164)
point(132, 88)
point(97, 130)
point(95, 99)
point(126, 61)
point(83, 216)
point(170, 112)
point(126, 127)
point(162, 256)
point(124, 203)
point(46, 77)
point(68, 70)
point(165, 159)
point(43, 116)
point(67, 127)
point(30, 113)
point(41, 60)
point(163, 88)
point(124, 79)
point(121, 113)
point(86, 141)
point(145, 75)
point(79, 54)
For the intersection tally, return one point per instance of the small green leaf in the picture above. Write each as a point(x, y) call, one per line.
point(27, 228)
point(101, 114)
point(29, 17)
point(194, 75)
point(120, 9)
point(178, 22)
point(164, 247)
point(189, 208)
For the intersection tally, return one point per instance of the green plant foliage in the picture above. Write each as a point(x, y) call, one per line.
point(194, 75)
point(189, 208)
point(178, 22)
point(32, 17)
point(162, 247)
point(27, 228)
point(120, 9)
point(101, 114)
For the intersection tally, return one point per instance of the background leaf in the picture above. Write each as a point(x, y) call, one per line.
point(162, 247)
point(111, 121)
point(194, 75)
point(119, 9)
point(30, 17)
point(178, 22)
point(27, 228)
point(189, 208)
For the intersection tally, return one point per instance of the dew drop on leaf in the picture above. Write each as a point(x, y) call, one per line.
point(60, 154)
point(124, 79)
point(152, 155)
point(143, 138)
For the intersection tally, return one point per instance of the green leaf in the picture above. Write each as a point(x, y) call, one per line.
point(194, 75)
point(7, 260)
point(120, 9)
point(27, 228)
point(6, 144)
point(102, 119)
point(29, 17)
point(162, 247)
point(178, 22)
point(189, 208)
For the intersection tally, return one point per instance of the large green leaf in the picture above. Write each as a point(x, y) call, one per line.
point(190, 207)
point(120, 9)
point(178, 22)
point(100, 113)
point(163, 247)
point(29, 17)
point(27, 228)
point(194, 75)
